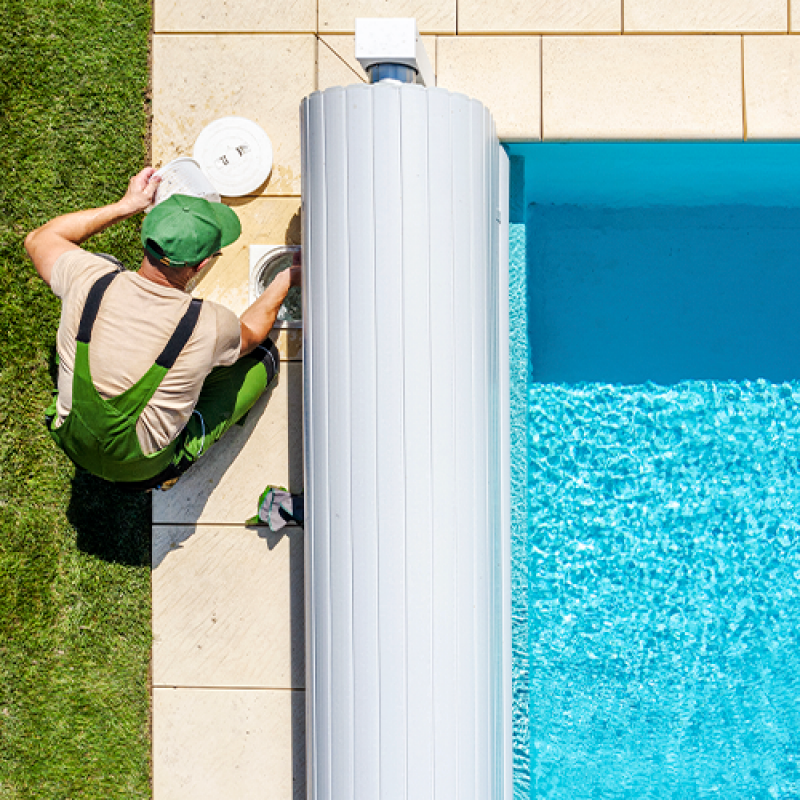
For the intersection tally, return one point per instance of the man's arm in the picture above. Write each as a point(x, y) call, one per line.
point(46, 244)
point(258, 319)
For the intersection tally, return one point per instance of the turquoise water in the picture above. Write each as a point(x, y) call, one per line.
point(656, 452)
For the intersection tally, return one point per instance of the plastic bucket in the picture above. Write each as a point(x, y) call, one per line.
point(184, 176)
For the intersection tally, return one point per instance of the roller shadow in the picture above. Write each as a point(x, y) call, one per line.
point(294, 230)
point(299, 745)
point(295, 535)
point(298, 619)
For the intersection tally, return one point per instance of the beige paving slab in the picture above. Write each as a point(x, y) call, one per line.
point(503, 72)
point(265, 220)
point(197, 79)
point(213, 744)
point(433, 16)
point(540, 16)
point(794, 17)
point(289, 342)
point(710, 16)
point(332, 69)
point(223, 487)
point(228, 607)
point(213, 16)
point(642, 87)
point(337, 65)
point(772, 86)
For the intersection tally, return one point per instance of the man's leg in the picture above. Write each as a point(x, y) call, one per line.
point(227, 395)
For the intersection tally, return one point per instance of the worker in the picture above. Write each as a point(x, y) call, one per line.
point(150, 378)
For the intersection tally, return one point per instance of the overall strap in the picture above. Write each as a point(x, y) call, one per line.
point(181, 335)
point(92, 306)
point(133, 400)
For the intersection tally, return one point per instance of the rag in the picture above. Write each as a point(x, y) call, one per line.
point(277, 507)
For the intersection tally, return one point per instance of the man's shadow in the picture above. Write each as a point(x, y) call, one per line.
point(110, 524)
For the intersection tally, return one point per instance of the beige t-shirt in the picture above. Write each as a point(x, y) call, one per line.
point(135, 321)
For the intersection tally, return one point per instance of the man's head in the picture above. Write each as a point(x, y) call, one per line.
point(183, 231)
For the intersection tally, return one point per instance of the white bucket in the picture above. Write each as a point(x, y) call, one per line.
point(184, 176)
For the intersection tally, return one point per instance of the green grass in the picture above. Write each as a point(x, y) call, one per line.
point(74, 554)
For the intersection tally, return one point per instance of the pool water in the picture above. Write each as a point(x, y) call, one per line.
point(655, 342)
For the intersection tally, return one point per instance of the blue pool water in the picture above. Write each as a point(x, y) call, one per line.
point(655, 337)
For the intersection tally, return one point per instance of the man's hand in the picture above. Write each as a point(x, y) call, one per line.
point(54, 238)
point(257, 321)
point(141, 191)
point(284, 281)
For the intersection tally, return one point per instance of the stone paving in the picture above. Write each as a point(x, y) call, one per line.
point(228, 652)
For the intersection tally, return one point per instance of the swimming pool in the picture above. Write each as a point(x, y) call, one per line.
point(655, 352)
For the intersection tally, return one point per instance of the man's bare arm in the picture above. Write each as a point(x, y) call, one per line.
point(51, 240)
point(258, 319)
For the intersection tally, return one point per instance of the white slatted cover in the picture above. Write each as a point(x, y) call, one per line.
point(406, 445)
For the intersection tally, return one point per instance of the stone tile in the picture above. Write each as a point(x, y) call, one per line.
point(540, 16)
point(710, 16)
point(772, 86)
point(289, 342)
point(503, 72)
point(210, 744)
point(642, 87)
point(332, 69)
point(337, 65)
point(197, 79)
point(433, 16)
point(211, 16)
point(265, 220)
point(223, 487)
point(228, 607)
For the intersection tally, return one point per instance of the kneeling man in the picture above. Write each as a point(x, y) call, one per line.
point(148, 377)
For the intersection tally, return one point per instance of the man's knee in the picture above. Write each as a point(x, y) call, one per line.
point(269, 356)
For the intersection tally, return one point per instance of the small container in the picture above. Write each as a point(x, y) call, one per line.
point(184, 176)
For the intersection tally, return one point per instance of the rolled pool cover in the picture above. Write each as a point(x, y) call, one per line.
point(405, 359)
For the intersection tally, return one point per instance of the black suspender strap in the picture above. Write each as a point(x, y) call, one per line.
point(182, 333)
point(92, 305)
point(177, 341)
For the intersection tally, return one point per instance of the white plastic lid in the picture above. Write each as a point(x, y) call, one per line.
point(235, 154)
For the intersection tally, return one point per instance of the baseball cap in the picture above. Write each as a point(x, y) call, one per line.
point(183, 230)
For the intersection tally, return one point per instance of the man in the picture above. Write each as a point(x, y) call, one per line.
point(148, 377)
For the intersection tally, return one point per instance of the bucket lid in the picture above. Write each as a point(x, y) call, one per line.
point(235, 154)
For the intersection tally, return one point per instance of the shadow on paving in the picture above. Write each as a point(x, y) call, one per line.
point(110, 524)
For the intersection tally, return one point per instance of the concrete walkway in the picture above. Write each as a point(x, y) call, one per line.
point(228, 649)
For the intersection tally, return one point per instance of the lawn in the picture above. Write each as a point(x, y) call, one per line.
point(74, 553)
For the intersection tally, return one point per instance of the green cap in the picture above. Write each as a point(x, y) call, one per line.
point(184, 230)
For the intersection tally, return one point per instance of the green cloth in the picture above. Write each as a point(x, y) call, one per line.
point(277, 507)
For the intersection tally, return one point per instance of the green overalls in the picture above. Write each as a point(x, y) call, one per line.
point(100, 435)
